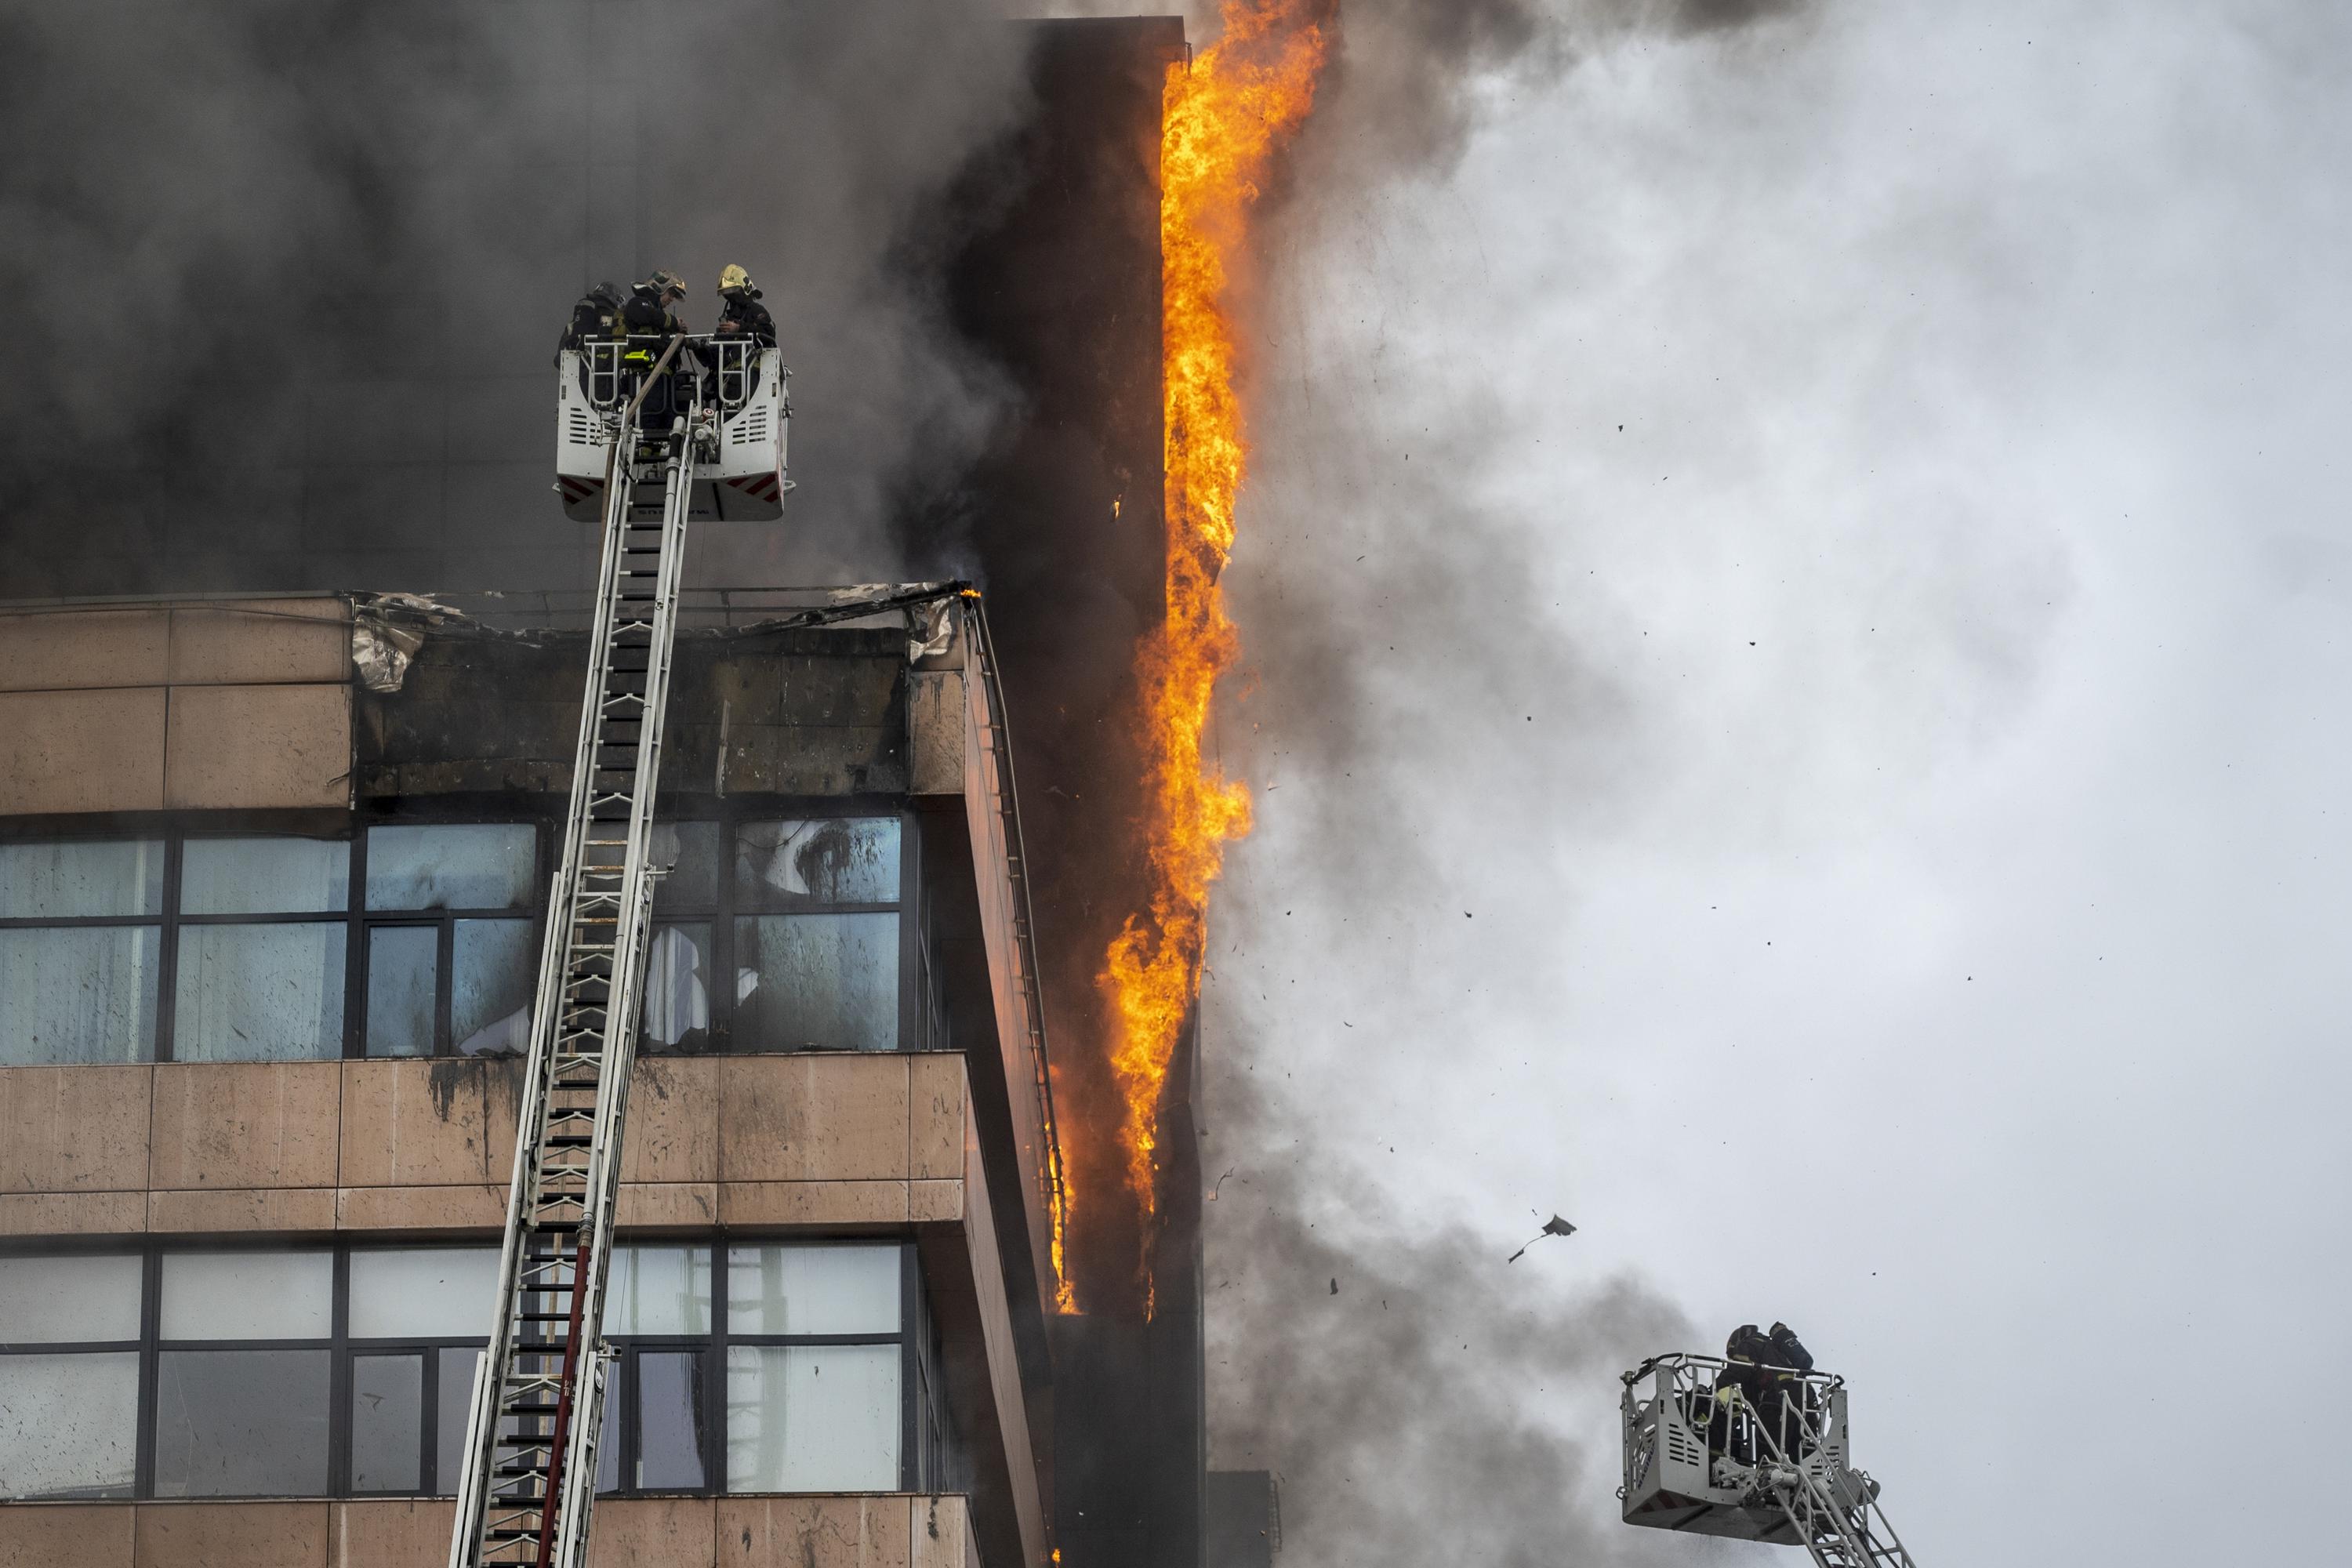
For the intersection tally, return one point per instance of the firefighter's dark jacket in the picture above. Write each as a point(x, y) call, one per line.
point(645, 316)
point(595, 316)
point(744, 316)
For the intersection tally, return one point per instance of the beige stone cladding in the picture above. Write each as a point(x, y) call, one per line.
point(239, 704)
point(833, 1139)
point(891, 1530)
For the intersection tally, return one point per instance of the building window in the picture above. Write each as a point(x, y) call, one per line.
point(259, 947)
point(416, 939)
point(335, 1372)
point(803, 913)
point(451, 959)
point(82, 946)
point(406, 940)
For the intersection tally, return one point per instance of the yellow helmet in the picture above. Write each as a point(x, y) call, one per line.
point(733, 279)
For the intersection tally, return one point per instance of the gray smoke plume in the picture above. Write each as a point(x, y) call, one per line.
point(1417, 1403)
point(288, 277)
point(1383, 937)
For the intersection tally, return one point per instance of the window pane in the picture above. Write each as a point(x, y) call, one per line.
point(247, 1295)
point(811, 1419)
point(818, 983)
point(260, 992)
point(490, 986)
point(68, 1424)
point(844, 1290)
point(671, 1421)
point(401, 962)
point(463, 866)
point(677, 995)
point(79, 996)
point(80, 1297)
point(79, 881)
point(263, 876)
point(836, 860)
point(241, 1423)
point(456, 1396)
point(690, 849)
point(658, 1290)
point(424, 1292)
point(387, 1423)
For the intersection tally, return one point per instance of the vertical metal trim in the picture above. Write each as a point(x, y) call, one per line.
point(167, 957)
point(341, 1369)
point(150, 1324)
point(913, 1032)
point(444, 984)
point(356, 956)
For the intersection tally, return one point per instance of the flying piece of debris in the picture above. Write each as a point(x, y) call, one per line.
point(1552, 1226)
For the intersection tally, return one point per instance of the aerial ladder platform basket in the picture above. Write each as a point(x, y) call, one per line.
point(1703, 1458)
point(738, 388)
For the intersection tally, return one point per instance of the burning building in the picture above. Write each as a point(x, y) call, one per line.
point(891, 1282)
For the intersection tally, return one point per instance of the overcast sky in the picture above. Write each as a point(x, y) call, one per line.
point(1831, 770)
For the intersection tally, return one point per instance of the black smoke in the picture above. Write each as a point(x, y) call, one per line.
point(285, 276)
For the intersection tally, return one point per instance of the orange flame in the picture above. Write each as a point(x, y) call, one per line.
point(1223, 119)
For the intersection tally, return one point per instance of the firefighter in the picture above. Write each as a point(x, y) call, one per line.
point(598, 315)
point(648, 312)
point(742, 314)
point(1785, 1398)
point(650, 323)
point(1740, 1381)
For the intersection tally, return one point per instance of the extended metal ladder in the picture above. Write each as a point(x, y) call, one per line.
point(1839, 1532)
point(529, 1478)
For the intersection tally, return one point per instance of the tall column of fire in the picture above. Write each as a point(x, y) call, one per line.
point(1226, 114)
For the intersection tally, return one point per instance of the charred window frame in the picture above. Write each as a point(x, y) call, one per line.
point(927, 1456)
point(709, 908)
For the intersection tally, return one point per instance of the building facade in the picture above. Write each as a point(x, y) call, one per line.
point(297, 916)
point(271, 872)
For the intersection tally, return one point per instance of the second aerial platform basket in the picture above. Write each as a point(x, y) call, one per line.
point(744, 395)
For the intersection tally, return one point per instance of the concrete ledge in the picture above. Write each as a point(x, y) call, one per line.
point(215, 1534)
point(668, 1205)
point(279, 1209)
point(72, 1213)
point(67, 1535)
point(403, 1534)
point(889, 1530)
point(476, 1208)
point(935, 1202)
point(811, 1203)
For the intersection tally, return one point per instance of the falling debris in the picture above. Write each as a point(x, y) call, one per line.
point(1335, 1287)
point(1552, 1226)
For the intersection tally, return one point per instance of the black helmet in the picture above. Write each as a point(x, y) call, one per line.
point(607, 295)
point(1747, 1343)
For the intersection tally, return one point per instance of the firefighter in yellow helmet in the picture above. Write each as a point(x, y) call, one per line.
point(740, 314)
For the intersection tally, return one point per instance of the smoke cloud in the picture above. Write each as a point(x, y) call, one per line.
point(289, 277)
point(1429, 715)
point(1419, 1400)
